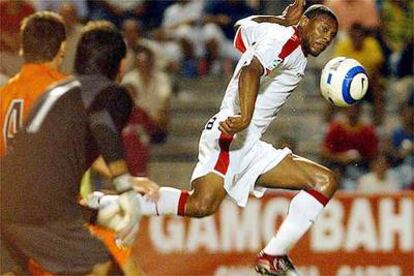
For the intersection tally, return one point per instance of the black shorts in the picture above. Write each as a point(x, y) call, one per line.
point(59, 247)
point(9, 263)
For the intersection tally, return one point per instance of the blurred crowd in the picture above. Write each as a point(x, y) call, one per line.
point(168, 40)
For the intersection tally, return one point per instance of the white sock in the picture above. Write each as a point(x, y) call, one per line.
point(167, 204)
point(303, 211)
point(170, 202)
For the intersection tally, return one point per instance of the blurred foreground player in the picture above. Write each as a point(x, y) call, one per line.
point(43, 48)
point(43, 44)
point(67, 129)
point(234, 161)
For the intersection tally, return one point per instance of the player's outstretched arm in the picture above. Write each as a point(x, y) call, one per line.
point(106, 123)
point(249, 83)
point(290, 16)
point(294, 12)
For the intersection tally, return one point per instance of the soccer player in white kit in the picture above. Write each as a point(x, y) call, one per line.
point(234, 161)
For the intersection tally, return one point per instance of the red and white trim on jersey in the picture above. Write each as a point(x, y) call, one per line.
point(291, 44)
point(223, 160)
point(238, 42)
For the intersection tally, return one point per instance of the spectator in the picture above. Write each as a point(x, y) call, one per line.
point(402, 137)
point(348, 13)
point(405, 63)
point(395, 32)
point(69, 13)
point(107, 10)
point(144, 11)
point(397, 17)
point(137, 138)
point(410, 100)
point(151, 89)
point(405, 172)
point(127, 9)
point(274, 7)
point(380, 179)
point(225, 13)
point(12, 13)
point(154, 11)
point(184, 13)
point(132, 31)
point(367, 51)
point(220, 17)
point(80, 6)
point(358, 45)
point(180, 24)
point(350, 144)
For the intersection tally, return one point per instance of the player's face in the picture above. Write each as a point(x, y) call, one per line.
point(319, 33)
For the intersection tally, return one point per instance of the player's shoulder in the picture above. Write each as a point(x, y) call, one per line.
point(275, 34)
point(66, 83)
point(10, 83)
point(279, 32)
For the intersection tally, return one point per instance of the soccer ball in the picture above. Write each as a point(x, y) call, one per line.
point(344, 81)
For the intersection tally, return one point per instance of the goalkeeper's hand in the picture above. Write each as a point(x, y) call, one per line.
point(118, 213)
point(125, 223)
point(127, 228)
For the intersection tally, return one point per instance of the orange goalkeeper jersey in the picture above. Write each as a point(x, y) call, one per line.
point(18, 96)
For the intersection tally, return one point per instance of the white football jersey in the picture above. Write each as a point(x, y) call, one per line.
point(278, 50)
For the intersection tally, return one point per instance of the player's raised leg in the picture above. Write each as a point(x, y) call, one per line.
point(207, 195)
point(205, 198)
point(317, 185)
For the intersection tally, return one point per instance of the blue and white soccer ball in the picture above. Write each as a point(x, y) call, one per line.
point(344, 81)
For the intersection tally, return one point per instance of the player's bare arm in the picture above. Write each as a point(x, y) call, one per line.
point(249, 83)
point(294, 12)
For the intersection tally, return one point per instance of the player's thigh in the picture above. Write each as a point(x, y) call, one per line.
point(296, 172)
point(13, 262)
point(78, 251)
point(7, 266)
point(209, 188)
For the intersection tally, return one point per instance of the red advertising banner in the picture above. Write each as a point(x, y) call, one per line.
point(355, 235)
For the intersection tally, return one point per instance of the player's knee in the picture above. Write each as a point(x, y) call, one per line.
point(206, 206)
point(328, 183)
point(333, 180)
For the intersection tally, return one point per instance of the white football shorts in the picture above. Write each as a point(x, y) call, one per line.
point(240, 160)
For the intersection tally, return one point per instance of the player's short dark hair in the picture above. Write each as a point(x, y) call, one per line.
point(100, 50)
point(320, 10)
point(42, 34)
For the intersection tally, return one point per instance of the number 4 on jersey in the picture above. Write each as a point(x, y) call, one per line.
point(13, 120)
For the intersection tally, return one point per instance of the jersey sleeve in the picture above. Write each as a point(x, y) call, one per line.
point(269, 43)
point(243, 37)
point(108, 115)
